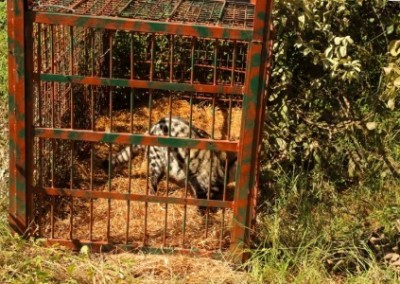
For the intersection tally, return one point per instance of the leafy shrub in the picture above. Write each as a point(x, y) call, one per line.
point(333, 109)
point(331, 160)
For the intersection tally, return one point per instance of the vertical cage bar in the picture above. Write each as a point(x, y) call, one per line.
point(253, 197)
point(92, 123)
point(171, 58)
point(168, 169)
point(234, 63)
point(52, 202)
point(146, 204)
point(53, 142)
point(152, 44)
point(52, 68)
point(29, 98)
point(71, 60)
point(227, 170)
point(91, 167)
point(111, 129)
point(187, 172)
point(192, 51)
point(71, 209)
point(215, 62)
point(131, 105)
point(254, 89)
point(40, 141)
point(91, 189)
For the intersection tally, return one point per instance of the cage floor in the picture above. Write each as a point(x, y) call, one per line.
point(200, 233)
point(212, 12)
point(210, 232)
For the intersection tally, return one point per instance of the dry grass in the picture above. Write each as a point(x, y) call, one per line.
point(28, 262)
point(180, 269)
point(202, 117)
point(3, 147)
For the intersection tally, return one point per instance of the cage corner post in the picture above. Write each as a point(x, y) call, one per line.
point(252, 116)
point(18, 84)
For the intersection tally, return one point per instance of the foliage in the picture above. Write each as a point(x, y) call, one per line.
point(333, 111)
point(331, 160)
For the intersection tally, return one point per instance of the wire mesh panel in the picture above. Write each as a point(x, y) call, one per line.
point(142, 133)
point(232, 13)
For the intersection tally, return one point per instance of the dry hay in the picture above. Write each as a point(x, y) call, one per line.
point(212, 232)
point(178, 269)
point(202, 116)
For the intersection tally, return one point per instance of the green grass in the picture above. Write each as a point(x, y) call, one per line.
point(304, 240)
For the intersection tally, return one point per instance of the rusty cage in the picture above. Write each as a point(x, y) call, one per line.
point(88, 77)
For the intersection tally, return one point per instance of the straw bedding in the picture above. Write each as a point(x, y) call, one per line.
point(202, 232)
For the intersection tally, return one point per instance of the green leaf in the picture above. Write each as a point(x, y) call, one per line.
point(329, 52)
point(343, 51)
point(387, 70)
point(281, 143)
point(390, 104)
point(351, 168)
point(397, 82)
point(302, 19)
point(337, 40)
point(390, 29)
point(394, 48)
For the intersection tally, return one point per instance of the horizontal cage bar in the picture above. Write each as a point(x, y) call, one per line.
point(142, 139)
point(133, 197)
point(142, 26)
point(142, 84)
point(211, 12)
point(102, 246)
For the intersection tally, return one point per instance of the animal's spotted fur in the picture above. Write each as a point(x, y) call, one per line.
point(206, 168)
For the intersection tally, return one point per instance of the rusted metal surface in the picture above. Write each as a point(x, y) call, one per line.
point(142, 84)
point(251, 124)
point(112, 23)
point(87, 77)
point(123, 138)
point(19, 85)
point(133, 197)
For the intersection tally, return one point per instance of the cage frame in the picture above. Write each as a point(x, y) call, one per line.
point(22, 131)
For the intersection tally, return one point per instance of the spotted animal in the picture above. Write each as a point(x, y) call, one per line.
point(206, 169)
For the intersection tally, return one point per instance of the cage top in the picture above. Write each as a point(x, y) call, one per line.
point(210, 12)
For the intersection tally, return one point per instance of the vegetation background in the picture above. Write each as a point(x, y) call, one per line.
point(330, 196)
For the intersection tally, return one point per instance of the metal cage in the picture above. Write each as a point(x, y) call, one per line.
point(89, 77)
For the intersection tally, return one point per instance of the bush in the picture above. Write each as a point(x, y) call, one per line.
point(331, 162)
point(333, 109)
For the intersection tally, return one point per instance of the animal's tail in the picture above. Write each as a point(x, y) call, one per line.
point(125, 155)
